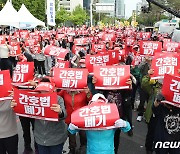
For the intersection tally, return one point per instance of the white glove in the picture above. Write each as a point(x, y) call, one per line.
point(120, 123)
point(72, 126)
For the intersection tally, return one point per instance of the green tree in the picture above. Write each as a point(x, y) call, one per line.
point(62, 15)
point(79, 16)
point(36, 7)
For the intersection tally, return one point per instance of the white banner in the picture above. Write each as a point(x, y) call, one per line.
point(51, 12)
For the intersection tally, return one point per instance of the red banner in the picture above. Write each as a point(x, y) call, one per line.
point(5, 85)
point(62, 64)
point(80, 41)
point(99, 60)
point(60, 36)
point(171, 46)
point(112, 77)
point(145, 35)
point(23, 72)
point(31, 42)
point(150, 47)
point(15, 50)
point(98, 47)
point(166, 63)
point(97, 115)
point(36, 49)
point(122, 54)
point(129, 41)
point(35, 105)
point(171, 90)
point(109, 37)
point(72, 78)
point(24, 34)
point(76, 49)
point(58, 52)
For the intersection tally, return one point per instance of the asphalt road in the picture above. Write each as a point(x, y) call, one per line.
point(128, 145)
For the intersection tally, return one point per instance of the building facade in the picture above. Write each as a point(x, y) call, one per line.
point(120, 9)
point(119, 4)
point(70, 5)
point(86, 4)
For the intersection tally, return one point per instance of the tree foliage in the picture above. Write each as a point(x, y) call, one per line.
point(148, 19)
point(62, 15)
point(36, 7)
point(79, 16)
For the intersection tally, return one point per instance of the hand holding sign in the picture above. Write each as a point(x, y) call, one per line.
point(13, 103)
point(120, 123)
point(72, 127)
point(56, 108)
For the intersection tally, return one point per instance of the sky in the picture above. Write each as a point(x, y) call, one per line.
point(130, 5)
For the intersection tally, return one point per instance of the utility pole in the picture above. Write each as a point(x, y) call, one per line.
point(91, 13)
point(114, 12)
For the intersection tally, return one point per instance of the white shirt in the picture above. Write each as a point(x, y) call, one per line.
point(4, 51)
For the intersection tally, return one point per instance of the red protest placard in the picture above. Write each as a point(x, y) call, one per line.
point(62, 64)
point(109, 37)
point(5, 85)
point(171, 46)
point(60, 36)
point(98, 48)
point(35, 105)
point(145, 35)
point(115, 56)
point(24, 34)
point(122, 54)
point(31, 42)
point(129, 41)
point(58, 52)
point(98, 59)
point(36, 49)
point(97, 115)
point(150, 47)
point(166, 63)
point(80, 41)
point(23, 72)
point(76, 48)
point(72, 78)
point(2, 39)
point(112, 77)
point(15, 50)
point(171, 90)
point(166, 40)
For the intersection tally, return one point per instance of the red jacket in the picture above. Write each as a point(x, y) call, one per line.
point(73, 101)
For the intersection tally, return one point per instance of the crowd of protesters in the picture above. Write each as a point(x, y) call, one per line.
point(163, 120)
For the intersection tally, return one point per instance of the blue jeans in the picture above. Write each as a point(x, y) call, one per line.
point(56, 149)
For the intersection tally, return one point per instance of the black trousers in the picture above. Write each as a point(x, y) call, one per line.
point(9, 145)
point(72, 139)
point(150, 134)
point(116, 140)
point(127, 110)
point(144, 96)
point(26, 123)
point(39, 67)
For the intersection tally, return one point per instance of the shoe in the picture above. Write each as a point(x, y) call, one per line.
point(130, 133)
point(139, 118)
